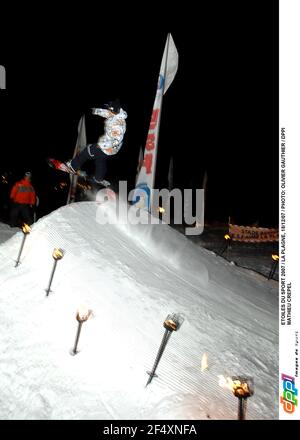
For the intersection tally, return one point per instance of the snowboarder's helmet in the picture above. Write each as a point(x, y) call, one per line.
point(28, 174)
point(113, 106)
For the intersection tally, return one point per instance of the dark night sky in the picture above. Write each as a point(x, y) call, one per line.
point(220, 113)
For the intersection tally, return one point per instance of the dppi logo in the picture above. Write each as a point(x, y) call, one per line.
point(2, 77)
point(288, 399)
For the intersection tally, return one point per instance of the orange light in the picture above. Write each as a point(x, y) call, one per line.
point(169, 323)
point(26, 228)
point(227, 237)
point(204, 364)
point(57, 254)
point(275, 257)
point(83, 314)
point(239, 389)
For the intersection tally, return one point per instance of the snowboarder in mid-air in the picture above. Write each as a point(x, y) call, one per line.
point(108, 144)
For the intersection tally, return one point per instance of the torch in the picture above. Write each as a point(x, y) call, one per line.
point(26, 231)
point(172, 323)
point(227, 244)
point(83, 315)
point(57, 255)
point(242, 388)
point(275, 259)
point(160, 210)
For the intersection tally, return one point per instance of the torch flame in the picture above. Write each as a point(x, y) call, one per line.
point(239, 388)
point(169, 323)
point(83, 313)
point(26, 228)
point(275, 257)
point(204, 364)
point(227, 237)
point(57, 254)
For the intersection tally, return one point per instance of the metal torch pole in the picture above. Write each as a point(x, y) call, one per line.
point(222, 250)
point(242, 408)
point(162, 347)
point(20, 252)
point(225, 248)
point(51, 277)
point(77, 336)
point(273, 270)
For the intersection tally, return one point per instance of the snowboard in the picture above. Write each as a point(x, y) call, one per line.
point(61, 166)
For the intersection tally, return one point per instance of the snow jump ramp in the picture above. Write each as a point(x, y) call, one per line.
point(131, 277)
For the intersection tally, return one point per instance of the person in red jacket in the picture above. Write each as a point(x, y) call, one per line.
point(23, 199)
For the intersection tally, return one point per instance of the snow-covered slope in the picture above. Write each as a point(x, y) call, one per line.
point(131, 277)
point(6, 232)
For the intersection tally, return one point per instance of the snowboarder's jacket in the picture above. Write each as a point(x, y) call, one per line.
point(23, 192)
point(115, 126)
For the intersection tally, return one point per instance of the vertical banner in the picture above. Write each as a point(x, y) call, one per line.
point(2, 77)
point(146, 177)
point(289, 141)
point(80, 144)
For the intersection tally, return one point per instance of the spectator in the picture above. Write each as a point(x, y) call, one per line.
point(23, 199)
